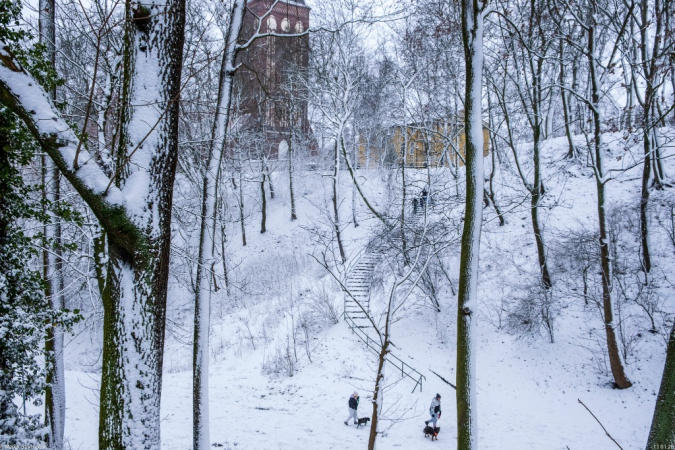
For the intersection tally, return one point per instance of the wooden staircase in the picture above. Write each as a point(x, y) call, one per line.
point(357, 299)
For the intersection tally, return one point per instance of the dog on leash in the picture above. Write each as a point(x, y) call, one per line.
point(431, 431)
point(363, 421)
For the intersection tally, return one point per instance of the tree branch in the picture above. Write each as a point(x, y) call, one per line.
point(603, 427)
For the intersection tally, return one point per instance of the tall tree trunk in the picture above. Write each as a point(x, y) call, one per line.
point(377, 394)
point(657, 149)
point(467, 308)
point(490, 192)
point(134, 208)
point(649, 60)
point(404, 198)
point(206, 260)
point(537, 185)
point(263, 204)
point(336, 199)
point(564, 95)
point(241, 209)
point(290, 176)
point(55, 391)
point(352, 172)
point(223, 241)
point(354, 190)
point(354, 221)
point(268, 175)
point(615, 361)
point(644, 203)
point(135, 300)
point(577, 114)
point(662, 431)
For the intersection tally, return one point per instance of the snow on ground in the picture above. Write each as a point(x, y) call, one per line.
point(528, 388)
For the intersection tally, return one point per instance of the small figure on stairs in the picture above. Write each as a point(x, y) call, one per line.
point(353, 406)
point(415, 205)
point(434, 410)
point(425, 194)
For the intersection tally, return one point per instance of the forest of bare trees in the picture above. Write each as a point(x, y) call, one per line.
point(144, 144)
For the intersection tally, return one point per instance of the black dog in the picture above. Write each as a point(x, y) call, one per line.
point(431, 431)
point(363, 421)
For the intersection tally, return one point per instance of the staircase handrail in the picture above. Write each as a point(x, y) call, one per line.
point(367, 340)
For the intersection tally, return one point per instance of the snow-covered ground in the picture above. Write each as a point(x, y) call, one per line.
point(528, 389)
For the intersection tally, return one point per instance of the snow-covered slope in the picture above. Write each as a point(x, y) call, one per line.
point(528, 388)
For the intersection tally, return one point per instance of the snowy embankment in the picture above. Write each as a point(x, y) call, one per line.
point(528, 389)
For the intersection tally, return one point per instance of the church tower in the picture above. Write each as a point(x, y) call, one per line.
point(271, 98)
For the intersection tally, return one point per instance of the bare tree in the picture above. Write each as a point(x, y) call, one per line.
point(472, 37)
point(528, 37)
point(651, 54)
point(587, 16)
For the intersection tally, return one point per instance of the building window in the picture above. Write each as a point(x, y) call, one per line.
point(271, 23)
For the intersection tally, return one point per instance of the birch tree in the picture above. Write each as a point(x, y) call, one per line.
point(206, 260)
point(208, 229)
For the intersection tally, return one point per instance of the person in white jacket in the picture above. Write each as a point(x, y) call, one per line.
point(434, 410)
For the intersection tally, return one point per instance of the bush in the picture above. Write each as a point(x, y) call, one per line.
point(535, 312)
point(282, 362)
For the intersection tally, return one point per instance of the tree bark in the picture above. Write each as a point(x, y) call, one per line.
point(206, 259)
point(241, 210)
point(352, 173)
point(377, 393)
point(537, 185)
point(290, 176)
point(662, 431)
point(648, 64)
point(404, 199)
point(490, 192)
point(616, 363)
point(268, 175)
point(55, 391)
point(263, 207)
point(565, 96)
point(472, 38)
point(336, 201)
point(137, 222)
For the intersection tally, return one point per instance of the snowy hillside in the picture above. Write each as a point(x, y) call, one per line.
point(282, 369)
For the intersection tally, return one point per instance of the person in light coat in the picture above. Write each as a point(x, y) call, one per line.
point(434, 410)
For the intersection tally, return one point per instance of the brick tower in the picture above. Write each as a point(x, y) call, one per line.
point(271, 100)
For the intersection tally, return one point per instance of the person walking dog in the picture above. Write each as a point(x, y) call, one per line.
point(353, 406)
point(434, 410)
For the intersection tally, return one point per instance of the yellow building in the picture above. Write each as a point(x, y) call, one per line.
point(437, 143)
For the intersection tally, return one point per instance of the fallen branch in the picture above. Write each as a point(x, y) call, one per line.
point(603, 427)
point(452, 385)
